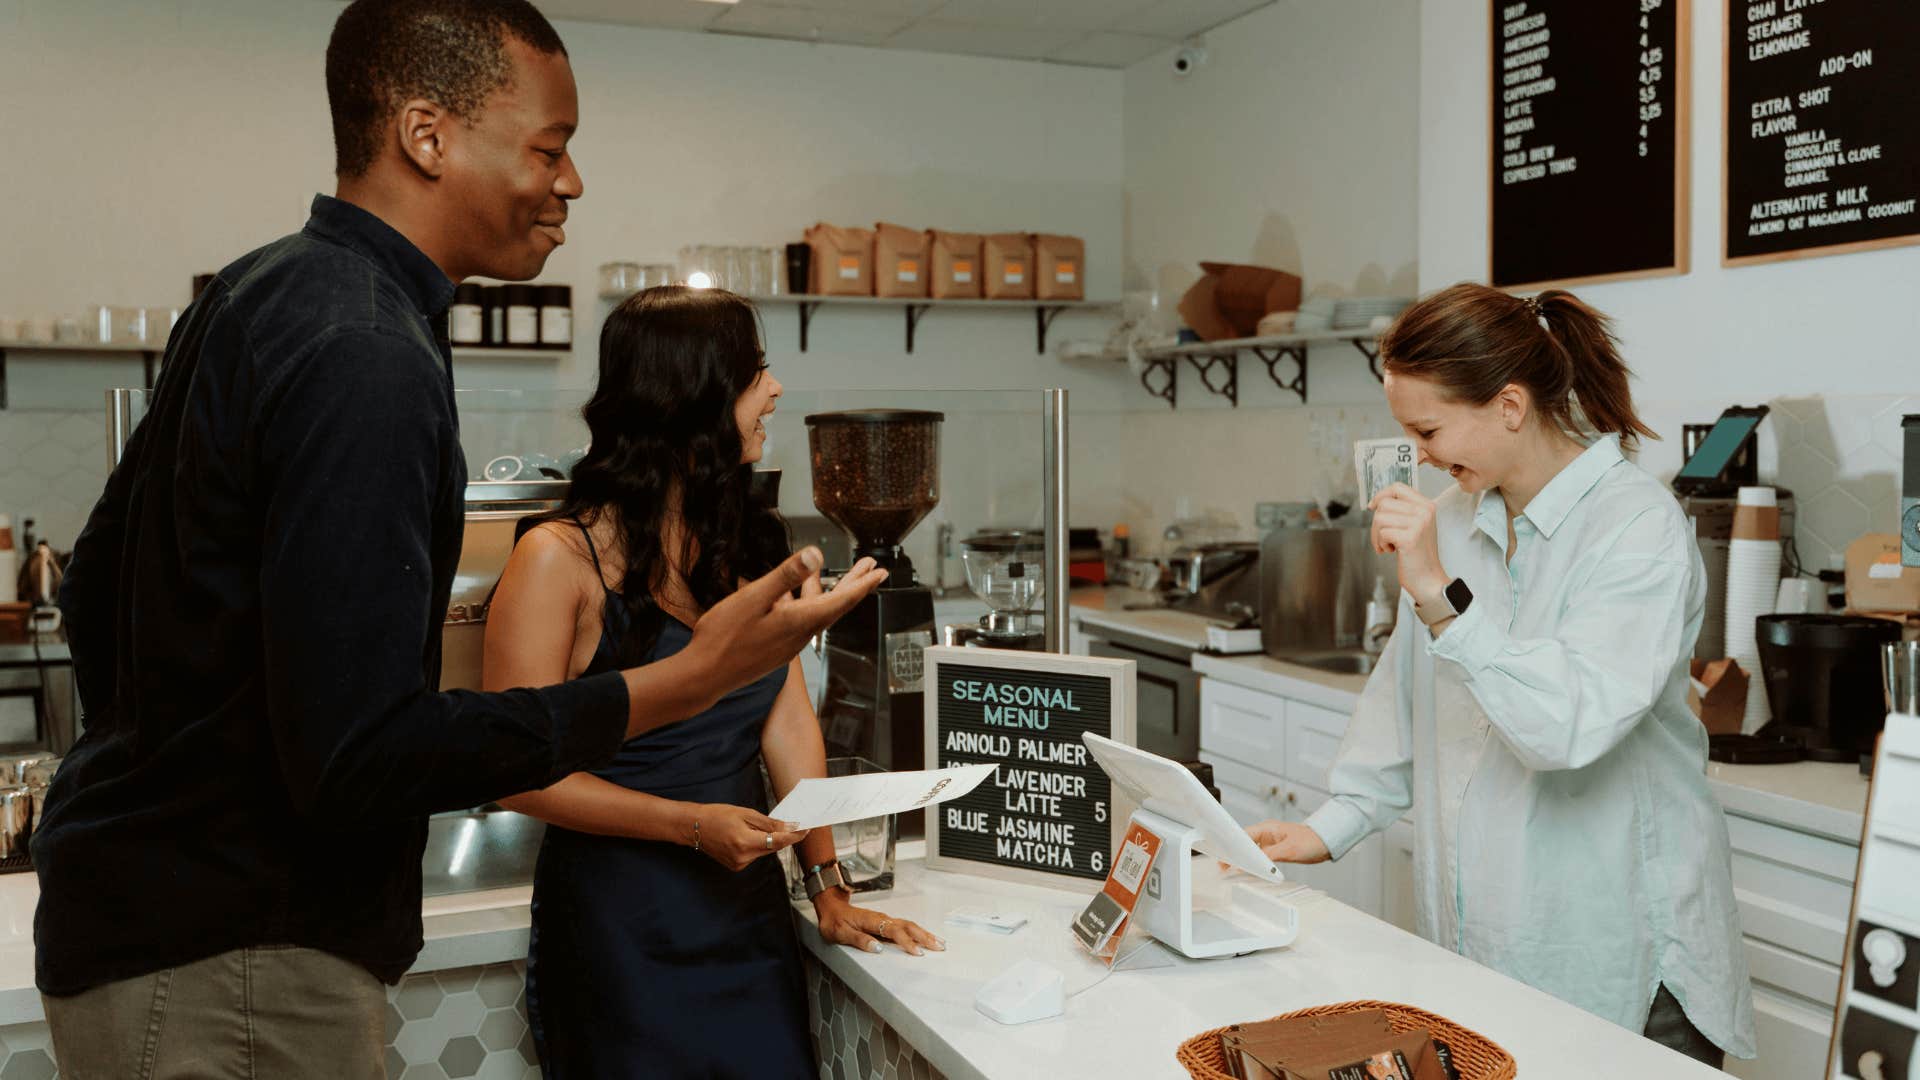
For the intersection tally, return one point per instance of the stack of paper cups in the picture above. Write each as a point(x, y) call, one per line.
point(1753, 578)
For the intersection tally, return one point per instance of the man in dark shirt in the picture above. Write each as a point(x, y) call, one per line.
point(230, 856)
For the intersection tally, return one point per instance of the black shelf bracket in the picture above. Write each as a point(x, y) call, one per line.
point(914, 311)
point(1169, 367)
point(1043, 317)
point(806, 309)
point(1207, 364)
point(1272, 357)
point(1372, 355)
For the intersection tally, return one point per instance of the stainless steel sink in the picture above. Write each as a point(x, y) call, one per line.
point(1340, 663)
point(482, 849)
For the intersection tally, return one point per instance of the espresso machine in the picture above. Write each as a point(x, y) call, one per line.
point(876, 474)
point(1004, 569)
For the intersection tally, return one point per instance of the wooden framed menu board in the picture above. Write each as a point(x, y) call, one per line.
point(1822, 146)
point(1589, 179)
point(1049, 812)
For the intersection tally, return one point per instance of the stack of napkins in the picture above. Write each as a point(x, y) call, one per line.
point(1341, 1046)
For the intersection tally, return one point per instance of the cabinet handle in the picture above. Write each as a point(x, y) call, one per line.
point(1292, 798)
point(1273, 792)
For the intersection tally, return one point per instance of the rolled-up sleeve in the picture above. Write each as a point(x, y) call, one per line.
point(1371, 781)
point(1563, 702)
point(352, 461)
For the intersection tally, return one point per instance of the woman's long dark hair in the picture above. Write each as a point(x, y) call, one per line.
point(673, 364)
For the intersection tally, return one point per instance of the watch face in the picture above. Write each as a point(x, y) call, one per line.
point(1459, 596)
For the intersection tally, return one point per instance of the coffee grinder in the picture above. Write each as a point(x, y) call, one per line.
point(1005, 570)
point(876, 473)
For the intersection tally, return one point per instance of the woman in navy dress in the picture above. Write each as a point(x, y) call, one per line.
point(663, 941)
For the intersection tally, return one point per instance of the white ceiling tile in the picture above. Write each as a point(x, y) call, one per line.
point(910, 9)
point(1110, 50)
point(1183, 18)
point(768, 20)
point(1041, 14)
point(937, 35)
point(661, 14)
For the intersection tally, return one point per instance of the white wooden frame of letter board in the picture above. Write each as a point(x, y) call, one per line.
point(1122, 692)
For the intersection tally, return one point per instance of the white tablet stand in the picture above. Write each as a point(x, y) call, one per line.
point(1166, 902)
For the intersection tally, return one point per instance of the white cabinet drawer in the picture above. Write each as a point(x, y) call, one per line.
point(1245, 807)
point(1813, 979)
point(1814, 933)
point(1244, 725)
point(1792, 1037)
point(1804, 851)
point(1250, 796)
point(1313, 741)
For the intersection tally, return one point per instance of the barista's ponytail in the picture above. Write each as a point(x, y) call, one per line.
point(1473, 340)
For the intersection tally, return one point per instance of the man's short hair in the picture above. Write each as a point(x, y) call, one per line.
point(384, 53)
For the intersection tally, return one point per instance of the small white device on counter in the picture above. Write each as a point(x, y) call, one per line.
point(1000, 922)
point(1187, 819)
point(1233, 640)
point(1023, 993)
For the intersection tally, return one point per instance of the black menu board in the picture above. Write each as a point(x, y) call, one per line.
point(1048, 811)
point(1589, 140)
point(1822, 145)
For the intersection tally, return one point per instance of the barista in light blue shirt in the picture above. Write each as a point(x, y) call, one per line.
point(1530, 708)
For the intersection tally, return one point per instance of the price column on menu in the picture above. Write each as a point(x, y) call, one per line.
point(1822, 149)
point(1588, 177)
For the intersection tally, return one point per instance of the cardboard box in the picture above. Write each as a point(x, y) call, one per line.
point(1229, 300)
point(842, 260)
point(1009, 264)
point(899, 261)
point(1061, 265)
point(957, 270)
point(1723, 704)
point(1876, 582)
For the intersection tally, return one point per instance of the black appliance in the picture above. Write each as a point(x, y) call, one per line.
point(1823, 681)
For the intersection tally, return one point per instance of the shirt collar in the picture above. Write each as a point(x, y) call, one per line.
point(350, 226)
point(1562, 493)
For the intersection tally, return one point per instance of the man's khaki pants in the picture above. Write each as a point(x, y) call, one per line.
point(258, 1013)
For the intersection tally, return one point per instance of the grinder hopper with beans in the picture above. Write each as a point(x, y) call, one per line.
point(876, 474)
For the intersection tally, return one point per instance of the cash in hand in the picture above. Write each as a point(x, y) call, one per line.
point(1380, 463)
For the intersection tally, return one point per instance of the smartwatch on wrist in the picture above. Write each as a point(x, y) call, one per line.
point(1456, 597)
point(823, 877)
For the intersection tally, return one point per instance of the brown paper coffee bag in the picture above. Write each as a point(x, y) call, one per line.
point(956, 266)
point(1060, 262)
point(899, 261)
point(842, 260)
point(1009, 264)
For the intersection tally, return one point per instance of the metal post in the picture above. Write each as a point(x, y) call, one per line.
point(120, 421)
point(1053, 498)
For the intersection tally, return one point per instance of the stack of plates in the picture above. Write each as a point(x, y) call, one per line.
point(1316, 314)
point(1358, 312)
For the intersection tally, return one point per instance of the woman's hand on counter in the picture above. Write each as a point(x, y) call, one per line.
point(1289, 842)
point(734, 836)
point(862, 928)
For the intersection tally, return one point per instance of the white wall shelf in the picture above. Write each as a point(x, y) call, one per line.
point(510, 352)
point(1223, 358)
point(149, 354)
point(1044, 311)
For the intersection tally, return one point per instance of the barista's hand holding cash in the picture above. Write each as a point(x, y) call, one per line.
point(1404, 523)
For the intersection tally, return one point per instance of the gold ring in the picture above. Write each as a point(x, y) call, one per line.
point(884, 923)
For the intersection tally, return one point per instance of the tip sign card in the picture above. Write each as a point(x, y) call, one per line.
point(1048, 810)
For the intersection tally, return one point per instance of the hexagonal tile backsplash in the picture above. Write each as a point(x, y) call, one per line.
point(1841, 458)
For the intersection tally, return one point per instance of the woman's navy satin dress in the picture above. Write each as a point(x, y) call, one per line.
point(649, 959)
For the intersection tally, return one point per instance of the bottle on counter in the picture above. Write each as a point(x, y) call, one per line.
point(496, 308)
point(523, 315)
point(467, 319)
point(556, 316)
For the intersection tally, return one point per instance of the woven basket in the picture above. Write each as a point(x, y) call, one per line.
point(1476, 1056)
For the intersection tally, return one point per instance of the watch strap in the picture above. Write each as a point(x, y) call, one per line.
point(827, 875)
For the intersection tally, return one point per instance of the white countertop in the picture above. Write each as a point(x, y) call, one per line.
point(1130, 1024)
point(462, 930)
point(1826, 799)
point(1107, 607)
